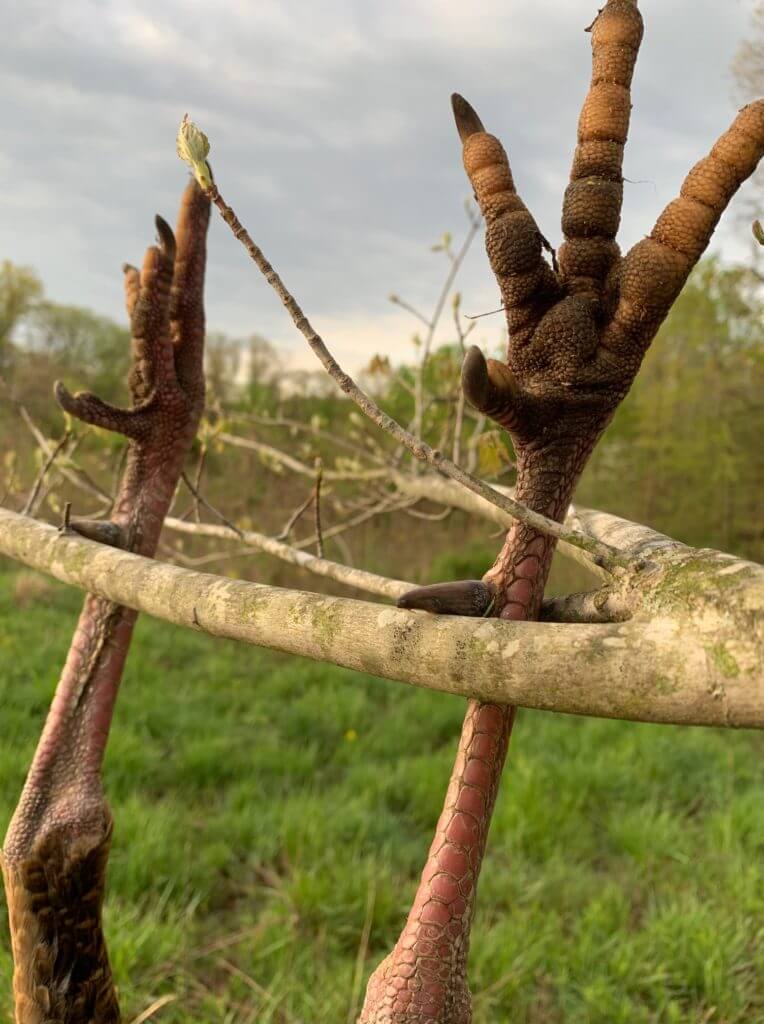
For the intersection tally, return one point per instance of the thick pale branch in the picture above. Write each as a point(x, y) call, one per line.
point(692, 662)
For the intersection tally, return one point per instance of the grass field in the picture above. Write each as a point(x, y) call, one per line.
point(267, 809)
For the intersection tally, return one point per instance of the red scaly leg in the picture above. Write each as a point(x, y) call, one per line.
point(424, 979)
point(576, 341)
point(57, 845)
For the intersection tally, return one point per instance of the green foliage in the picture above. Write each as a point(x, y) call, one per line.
point(20, 290)
point(90, 350)
point(684, 451)
point(463, 562)
point(260, 802)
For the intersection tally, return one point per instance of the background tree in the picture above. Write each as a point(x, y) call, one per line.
point(20, 290)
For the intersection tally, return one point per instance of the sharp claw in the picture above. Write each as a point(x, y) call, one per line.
point(475, 383)
point(63, 396)
point(166, 237)
point(103, 531)
point(467, 121)
point(462, 597)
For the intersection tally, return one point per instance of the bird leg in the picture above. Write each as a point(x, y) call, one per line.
point(425, 976)
point(56, 849)
point(577, 336)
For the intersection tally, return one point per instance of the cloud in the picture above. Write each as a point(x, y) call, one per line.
point(332, 137)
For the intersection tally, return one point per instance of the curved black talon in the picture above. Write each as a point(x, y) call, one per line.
point(461, 597)
point(467, 121)
point(103, 531)
point(166, 237)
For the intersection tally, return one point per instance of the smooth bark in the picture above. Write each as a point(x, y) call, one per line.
point(692, 654)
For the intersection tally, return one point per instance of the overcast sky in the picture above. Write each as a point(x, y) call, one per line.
point(331, 136)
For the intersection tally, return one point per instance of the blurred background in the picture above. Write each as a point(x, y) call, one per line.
point(272, 815)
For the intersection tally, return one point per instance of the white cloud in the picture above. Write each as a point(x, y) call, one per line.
point(332, 135)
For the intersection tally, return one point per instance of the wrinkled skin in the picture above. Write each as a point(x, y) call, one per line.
point(577, 336)
point(56, 849)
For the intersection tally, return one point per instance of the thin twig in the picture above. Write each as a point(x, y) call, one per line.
point(472, 444)
point(601, 554)
point(490, 312)
point(198, 480)
point(432, 517)
point(77, 475)
point(28, 508)
point(293, 519)
point(456, 262)
point(398, 301)
point(210, 508)
point(387, 505)
point(306, 428)
point(358, 578)
point(119, 468)
point(461, 335)
point(317, 508)
point(295, 465)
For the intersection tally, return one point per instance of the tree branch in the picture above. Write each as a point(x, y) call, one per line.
point(31, 501)
point(697, 659)
point(299, 467)
point(601, 554)
point(358, 578)
point(78, 476)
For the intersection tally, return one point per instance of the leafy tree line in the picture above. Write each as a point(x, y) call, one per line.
point(683, 454)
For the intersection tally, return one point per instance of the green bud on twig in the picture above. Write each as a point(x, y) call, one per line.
point(193, 148)
point(758, 232)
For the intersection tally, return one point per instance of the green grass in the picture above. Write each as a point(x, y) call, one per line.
point(262, 803)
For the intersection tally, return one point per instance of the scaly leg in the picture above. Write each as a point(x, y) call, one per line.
point(576, 340)
point(57, 846)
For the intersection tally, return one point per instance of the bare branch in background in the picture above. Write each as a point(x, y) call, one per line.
point(357, 578)
point(77, 476)
point(456, 261)
point(318, 435)
point(461, 336)
point(433, 517)
point(388, 504)
point(398, 301)
point(601, 554)
point(295, 465)
point(317, 509)
point(201, 500)
point(294, 518)
point(31, 502)
point(198, 481)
